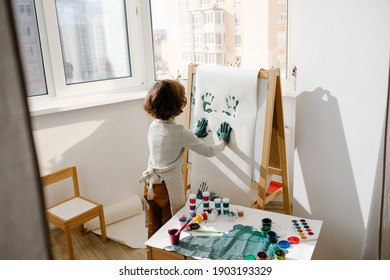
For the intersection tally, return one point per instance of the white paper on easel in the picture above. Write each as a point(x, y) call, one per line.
point(125, 222)
point(227, 94)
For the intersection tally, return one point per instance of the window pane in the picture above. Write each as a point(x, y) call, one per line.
point(30, 46)
point(94, 40)
point(229, 32)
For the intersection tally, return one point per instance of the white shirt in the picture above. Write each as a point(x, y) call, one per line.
point(167, 142)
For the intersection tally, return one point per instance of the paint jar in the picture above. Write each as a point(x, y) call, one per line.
point(192, 198)
point(192, 208)
point(226, 202)
point(182, 220)
point(217, 205)
point(206, 196)
point(174, 235)
point(194, 226)
point(280, 255)
point(261, 256)
point(240, 213)
point(266, 222)
point(293, 240)
point(206, 206)
point(198, 219)
point(204, 216)
point(249, 257)
point(231, 216)
point(226, 206)
point(264, 231)
point(284, 244)
point(272, 237)
point(212, 216)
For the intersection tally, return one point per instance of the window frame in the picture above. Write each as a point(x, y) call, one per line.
point(54, 102)
point(62, 96)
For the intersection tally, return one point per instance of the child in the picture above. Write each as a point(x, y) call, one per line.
point(164, 185)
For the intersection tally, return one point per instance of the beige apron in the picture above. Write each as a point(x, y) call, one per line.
point(173, 180)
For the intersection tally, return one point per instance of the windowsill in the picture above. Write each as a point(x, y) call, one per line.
point(48, 105)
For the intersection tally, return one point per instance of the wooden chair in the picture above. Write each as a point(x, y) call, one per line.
point(74, 211)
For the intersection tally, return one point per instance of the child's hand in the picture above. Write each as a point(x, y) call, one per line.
point(201, 128)
point(224, 132)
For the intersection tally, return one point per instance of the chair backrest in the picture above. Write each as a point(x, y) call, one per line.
point(69, 172)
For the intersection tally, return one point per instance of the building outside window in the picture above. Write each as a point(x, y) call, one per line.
point(235, 33)
point(94, 41)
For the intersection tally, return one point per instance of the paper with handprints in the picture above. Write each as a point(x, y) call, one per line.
point(226, 94)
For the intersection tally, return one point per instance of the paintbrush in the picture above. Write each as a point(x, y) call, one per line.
point(190, 216)
point(209, 231)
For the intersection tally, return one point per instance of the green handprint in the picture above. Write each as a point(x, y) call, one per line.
point(202, 188)
point(192, 100)
point(232, 104)
point(207, 100)
point(193, 97)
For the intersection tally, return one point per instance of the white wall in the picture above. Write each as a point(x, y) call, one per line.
point(106, 143)
point(343, 62)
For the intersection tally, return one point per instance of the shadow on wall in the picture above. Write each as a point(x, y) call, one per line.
point(329, 190)
point(371, 245)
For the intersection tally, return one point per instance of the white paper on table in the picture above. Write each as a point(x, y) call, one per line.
point(281, 224)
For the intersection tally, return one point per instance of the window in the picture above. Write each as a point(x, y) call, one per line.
point(259, 39)
point(197, 22)
point(218, 17)
point(237, 19)
point(83, 47)
point(198, 42)
point(205, 4)
point(213, 17)
point(80, 47)
point(283, 17)
point(94, 41)
point(209, 17)
point(220, 3)
point(198, 57)
point(190, 4)
point(237, 40)
point(30, 47)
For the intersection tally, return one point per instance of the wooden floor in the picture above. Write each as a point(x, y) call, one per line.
point(88, 246)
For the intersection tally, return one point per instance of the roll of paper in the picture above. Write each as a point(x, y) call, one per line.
point(117, 211)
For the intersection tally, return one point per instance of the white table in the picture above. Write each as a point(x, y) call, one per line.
point(282, 224)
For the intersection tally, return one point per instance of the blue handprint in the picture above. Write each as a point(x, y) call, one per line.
point(193, 97)
point(207, 100)
point(232, 104)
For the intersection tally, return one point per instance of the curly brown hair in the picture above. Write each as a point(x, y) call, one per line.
point(165, 100)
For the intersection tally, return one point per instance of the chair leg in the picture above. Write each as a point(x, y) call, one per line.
point(102, 225)
point(82, 228)
point(69, 242)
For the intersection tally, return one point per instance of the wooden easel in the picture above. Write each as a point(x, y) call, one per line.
point(274, 158)
point(186, 164)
